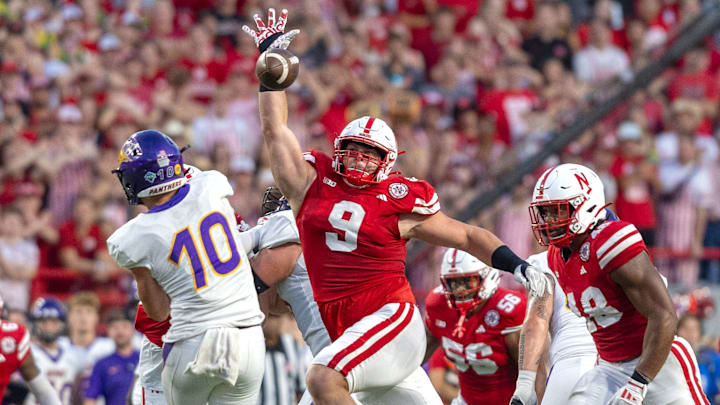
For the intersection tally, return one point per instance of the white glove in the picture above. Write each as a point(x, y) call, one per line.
point(533, 280)
point(524, 388)
point(273, 27)
point(632, 393)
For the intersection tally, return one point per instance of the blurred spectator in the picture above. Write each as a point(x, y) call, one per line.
point(443, 376)
point(682, 212)
point(82, 340)
point(112, 376)
point(219, 128)
point(82, 243)
point(284, 379)
point(19, 259)
point(547, 41)
point(694, 82)
point(636, 177)
point(601, 61)
point(685, 119)
point(690, 328)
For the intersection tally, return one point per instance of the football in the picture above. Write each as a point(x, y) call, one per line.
point(277, 68)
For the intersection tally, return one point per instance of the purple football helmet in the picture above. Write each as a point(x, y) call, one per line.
point(150, 164)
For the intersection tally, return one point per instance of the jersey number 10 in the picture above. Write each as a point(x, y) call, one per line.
point(184, 243)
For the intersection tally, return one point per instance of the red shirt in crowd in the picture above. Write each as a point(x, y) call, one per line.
point(634, 202)
point(508, 106)
point(701, 86)
point(87, 245)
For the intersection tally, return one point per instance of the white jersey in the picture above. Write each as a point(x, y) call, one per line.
point(61, 369)
point(87, 356)
point(190, 246)
point(278, 229)
point(570, 337)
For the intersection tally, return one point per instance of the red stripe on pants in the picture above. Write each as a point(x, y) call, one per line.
point(366, 336)
point(676, 352)
point(379, 344)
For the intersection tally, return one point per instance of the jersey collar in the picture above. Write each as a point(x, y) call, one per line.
point(175, 200)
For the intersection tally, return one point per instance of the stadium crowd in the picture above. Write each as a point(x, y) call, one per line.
point(471, 88)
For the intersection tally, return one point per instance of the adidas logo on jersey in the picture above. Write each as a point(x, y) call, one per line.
point(481, 329)
point(440, 323)
point(329, 182)
point(381, 197)
point(582, 270)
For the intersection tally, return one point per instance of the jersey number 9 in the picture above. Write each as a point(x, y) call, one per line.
point(184, 243)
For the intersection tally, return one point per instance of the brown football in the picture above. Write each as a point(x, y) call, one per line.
point(277, 68)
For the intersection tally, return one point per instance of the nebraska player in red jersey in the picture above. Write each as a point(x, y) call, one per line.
point(354, 219)
point(604, 268)
point(478, 325)
point(15, 355)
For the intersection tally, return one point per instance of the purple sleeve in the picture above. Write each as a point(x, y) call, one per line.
point(94, 387)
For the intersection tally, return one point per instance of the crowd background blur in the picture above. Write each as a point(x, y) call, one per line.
point(471, 88)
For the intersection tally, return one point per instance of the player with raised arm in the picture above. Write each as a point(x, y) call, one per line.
point(572, 351)
point(604, 269)
point(478, 325)
point(186, 259)
point(354, 219)
point(16, 355)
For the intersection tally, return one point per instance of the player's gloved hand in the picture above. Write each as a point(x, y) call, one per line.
point(533, 280)
point(632, 393)
point(273, 35)
point(524, 388)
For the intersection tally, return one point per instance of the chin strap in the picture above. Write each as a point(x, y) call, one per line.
point(459, 328)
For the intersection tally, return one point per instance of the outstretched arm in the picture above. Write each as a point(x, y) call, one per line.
point(292, 174)
point(439, 229)
point(290, 170)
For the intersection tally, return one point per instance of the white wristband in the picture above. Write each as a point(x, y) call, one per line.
point(525, 387)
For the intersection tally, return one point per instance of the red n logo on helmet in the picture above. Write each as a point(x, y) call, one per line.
point(583, 181)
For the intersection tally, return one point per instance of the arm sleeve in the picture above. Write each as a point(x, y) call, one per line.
point(129, 252)
point(43, 391)
point(95, 384)
point(23, 348)
point(250, 239)
point(617, 244)
point(278, 229)
point(412, 196)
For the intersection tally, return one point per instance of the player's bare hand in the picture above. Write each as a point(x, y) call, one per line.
point(273, 34)
point(533, 280)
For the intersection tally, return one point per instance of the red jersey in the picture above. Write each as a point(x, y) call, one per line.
point(486, 370)
point(152, 329)
point(14, 349)
point(350, 236)
point(616, 326)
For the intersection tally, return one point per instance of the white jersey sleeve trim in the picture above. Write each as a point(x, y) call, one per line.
point(511, 329)
point(629, 241)
point(615, 238)
point(423, 203)
point(426, 208)
point(24, 345)
point(309, 157)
